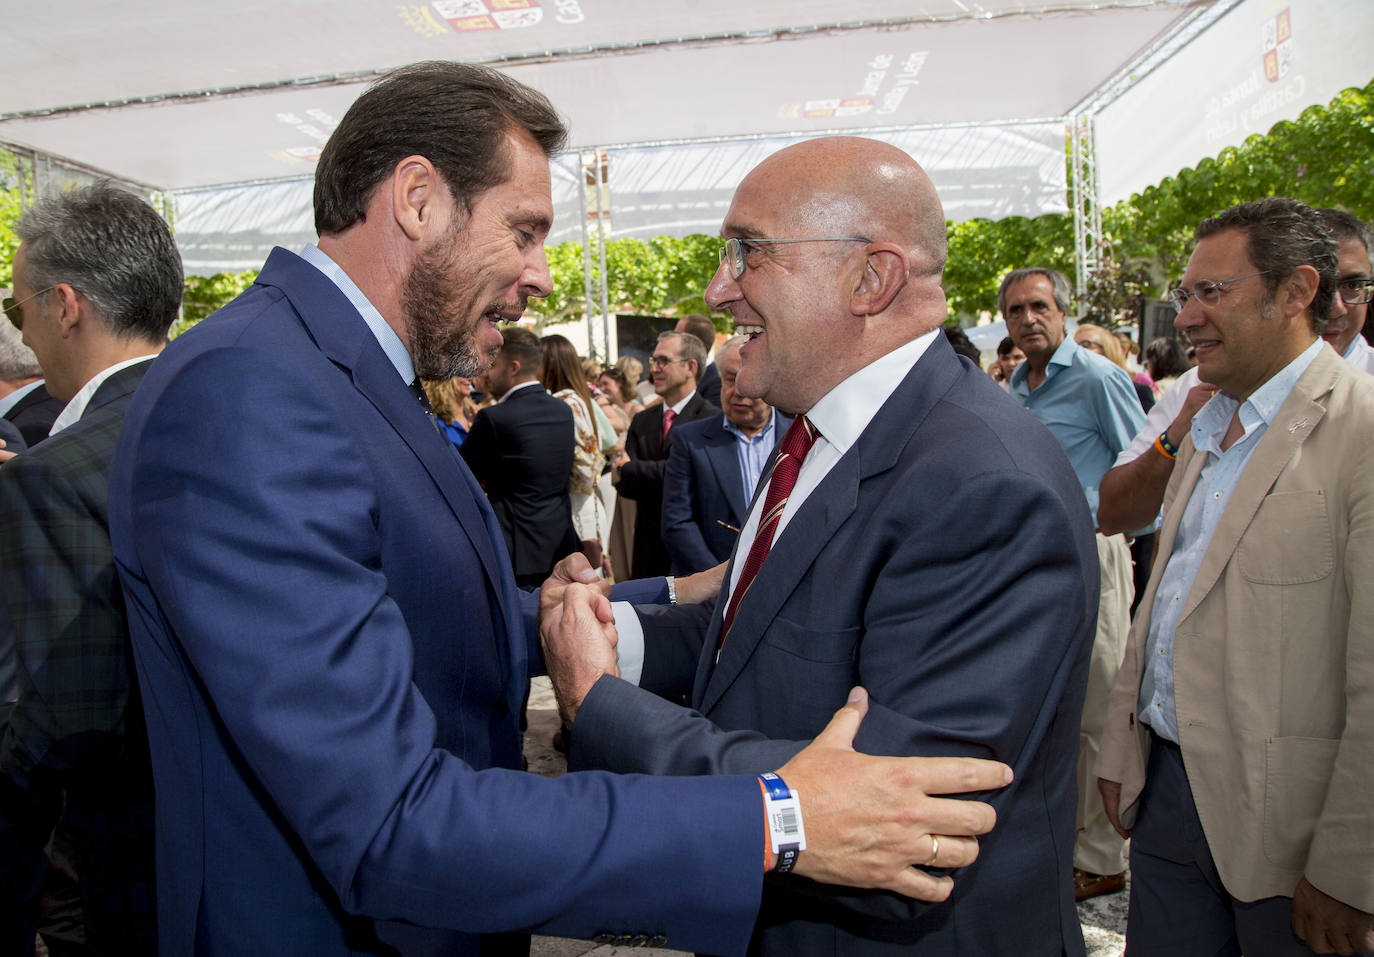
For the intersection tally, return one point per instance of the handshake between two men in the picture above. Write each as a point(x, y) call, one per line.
point(870, 822)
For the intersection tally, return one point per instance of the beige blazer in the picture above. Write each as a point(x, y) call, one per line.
point(1274, 654)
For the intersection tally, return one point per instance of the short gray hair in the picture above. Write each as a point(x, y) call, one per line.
point(690, 347)
point(17, 360)
point(1063, 292)
point(111, 247)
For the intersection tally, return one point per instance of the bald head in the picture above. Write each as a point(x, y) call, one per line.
point(836, 254)
point(851, 186)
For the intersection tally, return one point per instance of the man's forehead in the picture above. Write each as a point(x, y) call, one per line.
point(1225, 250)
point(1354, 257)
point(1032, 287)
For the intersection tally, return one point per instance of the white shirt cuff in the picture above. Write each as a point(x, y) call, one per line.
point(630, 641)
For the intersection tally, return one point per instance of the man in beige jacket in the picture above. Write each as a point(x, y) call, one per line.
point(1240, 734)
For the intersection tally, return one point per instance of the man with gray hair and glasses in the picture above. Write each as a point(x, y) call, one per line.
point(1239, 731)
point(97, 283)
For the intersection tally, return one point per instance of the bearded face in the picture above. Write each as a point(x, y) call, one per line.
point(443, 312)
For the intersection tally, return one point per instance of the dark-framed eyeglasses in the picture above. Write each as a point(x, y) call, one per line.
point(736, 248)
point(1207, 291)
point(1354, 292)
point(12, 310)
point(658, 362)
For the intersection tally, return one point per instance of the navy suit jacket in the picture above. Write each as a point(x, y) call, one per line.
point(14, 439)
point(521, 450)
point(641, 479)
point(702, 487)
point(333, 657)
point(947, 563)
point(708, 386)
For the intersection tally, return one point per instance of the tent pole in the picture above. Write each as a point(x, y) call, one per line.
point(586, 245)
point(601, 212)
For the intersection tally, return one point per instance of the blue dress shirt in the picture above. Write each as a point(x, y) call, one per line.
point(1089, 405)
point(1200, 517)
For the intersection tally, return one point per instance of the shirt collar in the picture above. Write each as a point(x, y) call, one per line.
point(1212, 421)
point(9, 401)
point(845, 411)
point(677, 409)
point(76, 408)
point(386, 336)
point(1063, 356)
point(759, 436)
point(516, 388)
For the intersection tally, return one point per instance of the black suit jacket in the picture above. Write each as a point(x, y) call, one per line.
point(521, 450)
point(34, 414)
point(946, 563)
point(641, 479)
point(77, 728)
point(14, 439)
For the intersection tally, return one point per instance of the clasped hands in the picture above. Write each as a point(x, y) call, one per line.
point(871, 822)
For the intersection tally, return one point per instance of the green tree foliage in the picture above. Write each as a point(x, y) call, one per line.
point(663, 276)
point(204, 294)
point(981, 251)
point(1325, 158)
point(10, 173)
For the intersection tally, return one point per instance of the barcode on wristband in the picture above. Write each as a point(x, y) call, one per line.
point(785, 826)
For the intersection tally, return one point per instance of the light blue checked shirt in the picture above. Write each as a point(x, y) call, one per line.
point(1200, 517)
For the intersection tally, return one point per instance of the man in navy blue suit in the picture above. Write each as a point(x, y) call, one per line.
point(927, 517)
point(329, 640)
point(713, 468)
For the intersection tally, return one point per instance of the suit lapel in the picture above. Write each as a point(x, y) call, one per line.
point(1296, 419)
point(719, 446)
point(825, 510)
point(344, 338)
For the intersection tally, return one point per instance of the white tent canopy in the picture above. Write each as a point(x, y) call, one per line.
point(225, 108)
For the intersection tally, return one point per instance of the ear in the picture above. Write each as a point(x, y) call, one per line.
point(1300, 288)
point(70, 303)
point(884, 274)
point(417, 192)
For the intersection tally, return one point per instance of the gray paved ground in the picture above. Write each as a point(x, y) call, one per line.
point(1103, 919)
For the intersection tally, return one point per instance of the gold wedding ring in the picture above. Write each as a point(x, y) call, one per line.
point(934, 850)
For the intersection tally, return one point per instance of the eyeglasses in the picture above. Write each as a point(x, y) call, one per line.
point(1206, 291)
point(1353, 292)
point(735, 248)
point(13, 313)
point(658, 362)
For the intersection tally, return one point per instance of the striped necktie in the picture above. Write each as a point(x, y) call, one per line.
point(795, 444)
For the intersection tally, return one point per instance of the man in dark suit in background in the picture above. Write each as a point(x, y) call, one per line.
point(674, 369)
point(13, 439)
point(713, 467)
point(76, 733)
point(708, 384)
point(329, 639)
point(24, 401)
point(521, 450)
point(914, 517)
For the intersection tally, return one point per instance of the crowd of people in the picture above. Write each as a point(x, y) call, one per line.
point(859, 648)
